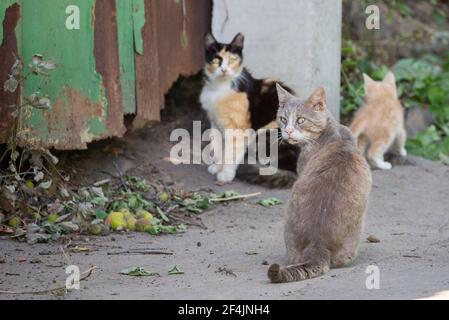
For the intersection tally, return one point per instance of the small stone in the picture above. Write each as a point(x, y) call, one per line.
point(265, 263)
point(35, 260)
point(21, 259)
point(372, 239)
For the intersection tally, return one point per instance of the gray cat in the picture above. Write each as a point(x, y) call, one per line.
point(330, 197)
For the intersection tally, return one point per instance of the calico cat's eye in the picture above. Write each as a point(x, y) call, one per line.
point(216, 61)
point(233, 59)
point(300, 120)
point(283, 120)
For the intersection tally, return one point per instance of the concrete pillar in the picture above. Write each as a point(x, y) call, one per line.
point(297, 41)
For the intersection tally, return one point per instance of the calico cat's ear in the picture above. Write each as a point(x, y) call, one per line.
point(283, 95)
point(237, 43)
point(318, 99)
point(209, 41)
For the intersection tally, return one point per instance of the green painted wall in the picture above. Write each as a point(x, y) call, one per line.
point(125, 26)
point(42, 29)
point(139, 22)
point(73, 52)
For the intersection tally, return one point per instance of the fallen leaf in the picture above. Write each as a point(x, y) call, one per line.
point(69, 226)
point(137, 272)
point(175, 270)
point(79, 249)
point(269, 202)
point(33, 238)
point(162, 214)
point(45, 185)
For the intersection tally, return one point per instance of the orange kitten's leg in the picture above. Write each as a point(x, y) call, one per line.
point(399, 143)
point(362, 143)
point(376, 154)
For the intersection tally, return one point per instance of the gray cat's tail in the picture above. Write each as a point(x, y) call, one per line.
point(298, 272)
point(281, 179)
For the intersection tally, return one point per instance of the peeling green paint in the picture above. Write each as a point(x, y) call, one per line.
point(139, 22)
point(79, 105)
point(73, 52)
point(125, 31)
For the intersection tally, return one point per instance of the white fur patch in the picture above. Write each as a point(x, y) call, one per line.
point(212, 92)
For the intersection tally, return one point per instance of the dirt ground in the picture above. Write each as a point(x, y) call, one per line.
point(408, 213)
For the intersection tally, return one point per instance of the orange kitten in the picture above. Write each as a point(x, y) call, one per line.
point(379, 123)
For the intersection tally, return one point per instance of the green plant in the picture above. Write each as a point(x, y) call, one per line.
point(424, 83)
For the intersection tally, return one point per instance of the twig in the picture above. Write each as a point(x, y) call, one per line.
point(191, 222)
point(84, 276)
point(120, 176)
point(66, 257)
point(226, 271)
point(140, 252)
point(242, 196)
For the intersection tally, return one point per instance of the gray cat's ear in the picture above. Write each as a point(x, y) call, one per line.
point(209, 40)
point(237, 42)
point(318, 100)
point(283, 95)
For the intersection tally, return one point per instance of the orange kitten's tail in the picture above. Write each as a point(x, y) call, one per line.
point(357, 127)
point(298, 272)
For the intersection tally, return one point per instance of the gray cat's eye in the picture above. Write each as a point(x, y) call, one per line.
point(300, 120)
point(283, 120)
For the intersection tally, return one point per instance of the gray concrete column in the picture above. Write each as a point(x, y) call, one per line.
point(297, 41)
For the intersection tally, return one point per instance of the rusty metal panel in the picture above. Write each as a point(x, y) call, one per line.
point(122, 60)
point(172, 45)
point(9, 19)
point(83, 91)
point(85, 88)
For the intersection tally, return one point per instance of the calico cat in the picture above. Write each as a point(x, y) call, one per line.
point(233, 99)
point(329, 199)
point(379, 123)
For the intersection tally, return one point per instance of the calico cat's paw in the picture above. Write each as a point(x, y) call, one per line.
point(214, 168)
point(226, 175)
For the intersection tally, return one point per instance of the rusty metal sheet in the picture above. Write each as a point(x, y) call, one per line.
point(94, 85)
point(172, 45)
point(8, 52)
